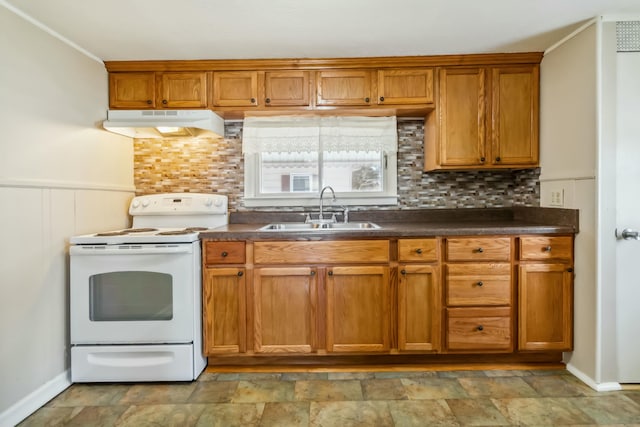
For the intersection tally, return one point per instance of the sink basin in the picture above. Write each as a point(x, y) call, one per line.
point(303, 226)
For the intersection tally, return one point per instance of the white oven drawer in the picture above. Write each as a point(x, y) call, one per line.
point(132, 363)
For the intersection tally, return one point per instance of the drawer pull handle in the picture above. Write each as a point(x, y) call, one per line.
point(479, 250)
point(240, 273)
point(547, 248)
point(419, 251)
point(403, 271)
point(330, 273)
point(480, 328)
point(480, 283)
point(224, 254)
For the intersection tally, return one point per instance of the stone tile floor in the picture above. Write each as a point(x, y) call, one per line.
point(342, 399)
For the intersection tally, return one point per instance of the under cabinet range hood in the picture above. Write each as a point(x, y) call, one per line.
point(164, 123)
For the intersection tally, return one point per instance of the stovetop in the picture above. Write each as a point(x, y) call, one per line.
point(140, 236)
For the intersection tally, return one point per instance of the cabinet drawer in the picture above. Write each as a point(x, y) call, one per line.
point(479, 249)
point(478, 284)
point(487, 329)
point(224, 253)
point(325, 252)
point(546, 247)
point(417, 250)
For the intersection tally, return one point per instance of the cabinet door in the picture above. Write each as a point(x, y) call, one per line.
point(462, 126)
point(419, 308)
point(285, 310)
point(224, 310)
point(514, 115)
point(132, 90)
point(545, 307)
point(286, 88)
point(344, 87)
point(235, 89)
point(183, 90)
point(405, 86)
point(358, 309)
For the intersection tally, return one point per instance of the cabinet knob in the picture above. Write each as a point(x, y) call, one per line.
point(164, 102)
point(569, 270)
point(366, 99)
point(330, 273)
point(479, 250)
point(148, 102)
point(403, 271)
point(482, 159)
point(240, 273)
point(547, 249)
point(224, 254)
point(480, 283)
point(419, 251)
point(253, 100)
point(480, 328)
point(498, 159)
point(312, 273)
point(268, 100)
point(382, 99)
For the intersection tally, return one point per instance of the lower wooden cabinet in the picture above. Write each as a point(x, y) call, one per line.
point(358, 309)
point(545, 307)
point(479, 329)
point(285, 307)
point(224, 310)
point(419, 308)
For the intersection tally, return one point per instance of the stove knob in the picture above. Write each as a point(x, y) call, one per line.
point(135, 204)
point(208, 203)
point(145, 203)
point(218, 202)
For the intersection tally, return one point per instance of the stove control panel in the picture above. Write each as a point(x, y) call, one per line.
point(179, 204)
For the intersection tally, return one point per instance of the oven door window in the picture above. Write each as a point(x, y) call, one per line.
point(130, 296)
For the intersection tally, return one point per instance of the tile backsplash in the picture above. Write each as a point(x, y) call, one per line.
point(216, 166)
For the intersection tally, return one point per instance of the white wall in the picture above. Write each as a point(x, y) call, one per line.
point(568, 148)
point(59, 175)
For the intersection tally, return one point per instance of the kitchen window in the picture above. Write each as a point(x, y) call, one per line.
point(288, 160)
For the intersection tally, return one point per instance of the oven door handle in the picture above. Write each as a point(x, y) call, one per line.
point(130, 249)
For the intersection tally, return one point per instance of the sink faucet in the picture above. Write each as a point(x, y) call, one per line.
point(321, 216)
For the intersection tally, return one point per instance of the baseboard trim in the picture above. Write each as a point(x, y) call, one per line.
point(32, 402)
point(609, 386)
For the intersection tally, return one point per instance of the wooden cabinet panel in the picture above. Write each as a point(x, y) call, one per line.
point(132, 90)
point(224, 253)
point(224, 310)
point(479, 329)
point(545, 307)
point(285, 310)
point(343, 87)
point(348, 251)
point(405, 86)
point(478, 284)
point(462, 125)
point(235, 89)
point(418, 250)
point(514, 125)
point(419, 308)
point(358, 309)
point(183, 90)
point(286, 88)
point(478, 249)
point(540, 248)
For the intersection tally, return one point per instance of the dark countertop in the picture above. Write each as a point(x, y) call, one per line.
point(406, 223)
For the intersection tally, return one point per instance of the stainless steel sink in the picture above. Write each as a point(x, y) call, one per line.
point(319, 226)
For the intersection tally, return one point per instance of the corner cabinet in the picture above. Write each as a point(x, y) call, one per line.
point(545, 293)
point(486, 118)
point(158, 90)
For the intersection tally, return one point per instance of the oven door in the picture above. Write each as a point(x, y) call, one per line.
point(124, 294)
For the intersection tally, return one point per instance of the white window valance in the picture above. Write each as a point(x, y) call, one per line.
point(312, 134)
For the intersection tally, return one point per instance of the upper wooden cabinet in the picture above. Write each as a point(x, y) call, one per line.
point(486, 118)
point(235, 89)
point(405, 86)
point(343, 88)
point(158, 90)
point(286, 88)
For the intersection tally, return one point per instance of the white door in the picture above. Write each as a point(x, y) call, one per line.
point(628, 216)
